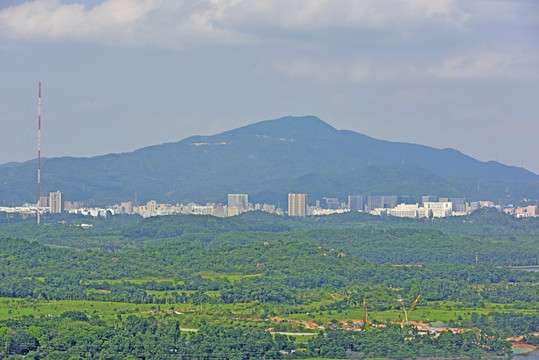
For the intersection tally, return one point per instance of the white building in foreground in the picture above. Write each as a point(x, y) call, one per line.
point(409, 211)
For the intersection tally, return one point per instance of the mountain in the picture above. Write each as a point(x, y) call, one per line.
point(267, 160)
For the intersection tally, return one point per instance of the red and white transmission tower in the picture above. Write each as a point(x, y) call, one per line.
point(39, 155)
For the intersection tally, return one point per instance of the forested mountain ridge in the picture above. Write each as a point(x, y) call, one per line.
point(267, 160)
point(487, 235)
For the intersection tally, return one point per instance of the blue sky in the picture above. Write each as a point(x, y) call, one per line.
point(122, 74)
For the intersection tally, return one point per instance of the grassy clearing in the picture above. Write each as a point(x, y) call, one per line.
point(135, 281)
point(193, 315)
point(14, 307)
point(212, 275)
point(10, 308)
point(423, 314)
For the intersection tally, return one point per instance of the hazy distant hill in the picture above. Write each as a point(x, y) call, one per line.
point(267, 160)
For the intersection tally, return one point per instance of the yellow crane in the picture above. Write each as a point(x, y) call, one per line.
point(364, 323)
point(364, 312)
point(407, 313)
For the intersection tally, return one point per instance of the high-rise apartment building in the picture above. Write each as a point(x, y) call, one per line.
point(330, 203)
point(240, 201)
point(126, 207)
point(428, 198)
point(390, 201)
point(355, 203)
point(43, 202)
point(406, 199)
point(459, 205)
point(381, 202)
point(151, 206)
point(78, 204)
point(375, 202)
point(297, 204)
point(56, 205)
point(68, 205)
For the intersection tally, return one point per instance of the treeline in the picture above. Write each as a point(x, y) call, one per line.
point(486, 236)
point(397, 246)
point(510, 324)
point(178, 225)
point(74, 335)
point(396, 343)
point(268, 272)
point(46, 219)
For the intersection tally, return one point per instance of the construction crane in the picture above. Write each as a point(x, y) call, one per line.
point(364, 312)
point(407, 313)
point(356, 323)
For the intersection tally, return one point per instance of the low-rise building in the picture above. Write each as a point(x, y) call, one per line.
point(526, 211)
point(409, 211)
point(439, 209)
point(314, 211)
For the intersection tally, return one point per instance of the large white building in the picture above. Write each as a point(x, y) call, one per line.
point(409, 211)
point(439, 209)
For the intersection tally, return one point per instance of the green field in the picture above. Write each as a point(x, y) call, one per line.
point(244, 281)
point(137, 281)
point(212, 275)
point(420, 314)
point(13, 308)
point(248, 313)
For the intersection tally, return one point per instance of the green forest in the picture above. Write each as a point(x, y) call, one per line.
point(259, 286)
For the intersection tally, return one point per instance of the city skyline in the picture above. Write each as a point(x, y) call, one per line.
point(118, 76)
point(430, 206)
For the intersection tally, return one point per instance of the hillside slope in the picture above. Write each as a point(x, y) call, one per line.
point(267, 160)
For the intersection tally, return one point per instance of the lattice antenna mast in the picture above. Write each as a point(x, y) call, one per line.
point(38, 154)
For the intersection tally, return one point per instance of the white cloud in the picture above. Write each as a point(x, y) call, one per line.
point(500, 12)
point(316, 14)
point(157, 23)
point(180, 23)
point(506, 61)
point(52, 20)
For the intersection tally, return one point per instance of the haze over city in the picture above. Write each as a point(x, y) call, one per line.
point(119, 75)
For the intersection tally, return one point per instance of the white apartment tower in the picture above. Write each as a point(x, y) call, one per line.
point(297, 204)
point(56, 204)
point(240, 201)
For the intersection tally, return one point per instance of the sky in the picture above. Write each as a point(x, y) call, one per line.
point(118, 75)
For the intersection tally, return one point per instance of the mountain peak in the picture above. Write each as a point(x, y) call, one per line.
point(288, 127)
point(255, 159)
